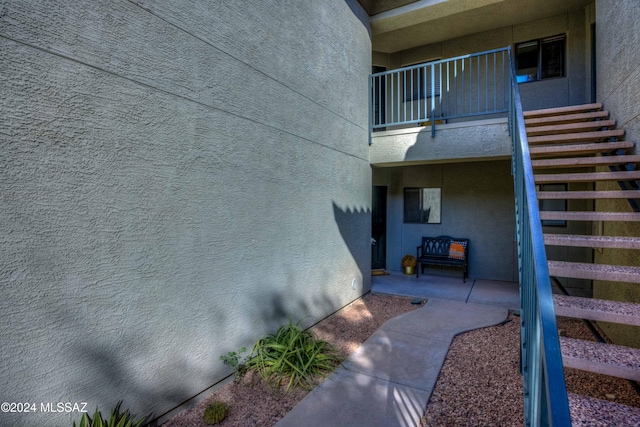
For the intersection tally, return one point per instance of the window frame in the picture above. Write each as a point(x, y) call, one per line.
point(417, 214)
point(544, 56)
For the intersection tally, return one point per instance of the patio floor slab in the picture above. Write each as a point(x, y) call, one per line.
point(477, 291)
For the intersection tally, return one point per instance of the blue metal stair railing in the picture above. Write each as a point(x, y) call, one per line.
point(545, 394)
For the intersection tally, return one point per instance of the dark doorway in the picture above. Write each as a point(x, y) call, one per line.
point(379, 228)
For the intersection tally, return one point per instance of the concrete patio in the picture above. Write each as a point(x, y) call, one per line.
point(450, 288)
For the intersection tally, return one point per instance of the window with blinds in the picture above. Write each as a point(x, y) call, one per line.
point(540, 59)
point(418, 84)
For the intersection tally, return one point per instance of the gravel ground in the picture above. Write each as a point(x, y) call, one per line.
point(479, 384)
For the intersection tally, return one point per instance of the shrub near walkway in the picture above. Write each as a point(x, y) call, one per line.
point(253, 403)
point(294, 357)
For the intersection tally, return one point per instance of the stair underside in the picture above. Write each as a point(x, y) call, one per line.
point(597, 309)
point(576, 137)
point(562, 110)
point(569, 127)
point(588, 411)
point(577, 149)
point(591, 216)
point(581, 162)
point(606, 359)
point(592, 241)
point(588, 177)
point(578, 270)
point(565, 118)
point(573, 195)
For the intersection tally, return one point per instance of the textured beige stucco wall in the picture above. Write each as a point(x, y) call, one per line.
point(618, 88)
point(178, 178)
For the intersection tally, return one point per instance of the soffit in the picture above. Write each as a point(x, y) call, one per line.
point(417, 23)
point(374, 7)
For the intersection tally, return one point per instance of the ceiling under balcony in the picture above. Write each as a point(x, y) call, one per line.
point(403, 24)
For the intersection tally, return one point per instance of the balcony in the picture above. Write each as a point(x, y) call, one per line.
point(442, 111)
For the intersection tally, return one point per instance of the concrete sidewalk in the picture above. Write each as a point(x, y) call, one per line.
point(389, 379)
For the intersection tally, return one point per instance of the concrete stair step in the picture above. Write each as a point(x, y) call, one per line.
point(565, 118)
point(578, 270)
point(601, 358)
point(601, 135)
point(577, 149)
point(591, 216)
point(582, 162)
point(587, 177)
point(574, 240)
point(562, 110)
point(625, 313)
point(589, 411)
point(583, 195)
point(570, 127)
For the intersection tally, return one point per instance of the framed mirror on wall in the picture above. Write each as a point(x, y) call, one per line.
point(422, 205)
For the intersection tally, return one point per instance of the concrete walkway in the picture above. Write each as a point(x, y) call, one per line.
point(389, 379)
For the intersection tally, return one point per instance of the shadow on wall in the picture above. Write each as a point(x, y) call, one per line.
point(355, 229)
point(115, 372)
point(125, 363)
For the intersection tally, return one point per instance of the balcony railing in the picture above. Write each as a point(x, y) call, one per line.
point(465, 86)
point(545, 394)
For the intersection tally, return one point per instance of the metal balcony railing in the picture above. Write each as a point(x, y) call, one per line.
point(545, 394)
point(465, 86)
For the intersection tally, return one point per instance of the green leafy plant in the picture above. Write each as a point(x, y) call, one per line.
point(237, 362)
point(215, 412)
point(293, 357)
point(116, 419)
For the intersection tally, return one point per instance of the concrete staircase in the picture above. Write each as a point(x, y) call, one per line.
point(566, 145)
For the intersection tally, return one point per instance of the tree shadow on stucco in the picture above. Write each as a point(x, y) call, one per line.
point(355, 228)
point(114, 369)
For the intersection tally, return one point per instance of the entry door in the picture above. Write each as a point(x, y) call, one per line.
point(379, 228)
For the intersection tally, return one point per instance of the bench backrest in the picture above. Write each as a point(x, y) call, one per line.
point(440, 245)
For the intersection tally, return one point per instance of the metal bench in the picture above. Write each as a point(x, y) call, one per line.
point(443, 250)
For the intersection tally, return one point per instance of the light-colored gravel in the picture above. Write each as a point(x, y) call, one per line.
point(479, 383)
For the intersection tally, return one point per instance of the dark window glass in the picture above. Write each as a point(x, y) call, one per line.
point(422, 205)
point(527, 61)
point(418, 83)
point(540, 59)
point(552, 58)
point(412, 211)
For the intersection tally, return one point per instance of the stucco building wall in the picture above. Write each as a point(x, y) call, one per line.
point(177, 181)
point(618, 88)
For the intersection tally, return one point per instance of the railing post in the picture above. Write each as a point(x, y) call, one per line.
point(371, 107)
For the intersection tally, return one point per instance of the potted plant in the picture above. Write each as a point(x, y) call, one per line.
point(408, 264)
